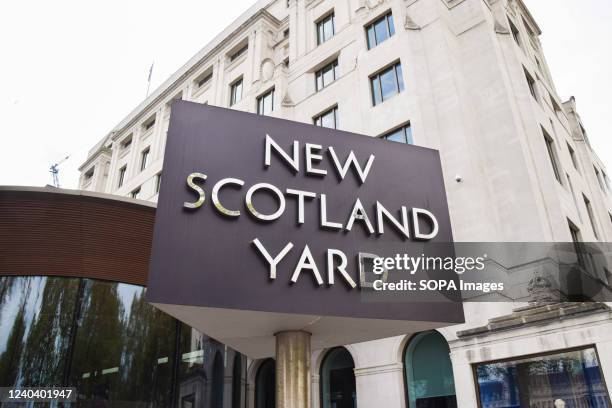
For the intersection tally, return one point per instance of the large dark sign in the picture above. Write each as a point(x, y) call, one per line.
point(265, 224)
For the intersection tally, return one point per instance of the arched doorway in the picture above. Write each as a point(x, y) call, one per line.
point(265, 385)
point(338, 380)
point(237, 382)
point(216, 394)
point(429, 372)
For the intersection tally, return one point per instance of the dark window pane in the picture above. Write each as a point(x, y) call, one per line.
point(265, 385)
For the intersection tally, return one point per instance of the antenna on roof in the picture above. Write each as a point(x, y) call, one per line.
point(149, 79)
point(54, 170)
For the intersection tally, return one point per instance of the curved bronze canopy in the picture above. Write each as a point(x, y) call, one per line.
point(57, 232)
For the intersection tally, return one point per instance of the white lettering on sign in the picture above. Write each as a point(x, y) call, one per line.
point(408, 223)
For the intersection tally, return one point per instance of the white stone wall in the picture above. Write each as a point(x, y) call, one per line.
point(465, 94)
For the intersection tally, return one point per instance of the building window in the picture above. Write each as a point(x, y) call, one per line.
point(387, 83)
point(328, 119)
point(326, 75)
point(589, 208)
point(122, 171)
point(577, 241)
point(157, 182)
point(235, 92)
point(239, 53)
point(606, 180)
point(429, 372)
point(572, 154)
point(551, 155)
point(148, 125)
point(325, 28)
point(286, 62)
point(265, 385)
point(126, 143)
point(338, 388)
point(515, 33)
point(286, 33)
point(401, 134)
point(135, 193)
point(144, 158)
point(204, 79)
point(265, 103)
point(120, 336)
point(89, 174)
point(532, 85)
point(380, 30)
point(574, 377)
point(238, 376)
point(599, 180)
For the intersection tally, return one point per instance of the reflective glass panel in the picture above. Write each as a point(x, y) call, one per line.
point(123, 349)
point(36, 322)
point(429, 372)
point(338, 380)
point(569, 379)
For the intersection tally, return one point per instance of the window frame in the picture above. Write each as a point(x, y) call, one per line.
point(552, 155)
point(320, 27)
point(234, 86)
point(591, 215)
point(158, 177)
point(320, 73)
point(149, 124)
point(387, 17)
point(516, 34)
point(572, 154)
point(376, 77)
point(403, 127)
point(204, 79)
point(319, 118)
point(531, 84)
point(261, 102)
point(136, 192)
point(121, 176)
point(144, 158)
point(475, 365)
point(239, 52)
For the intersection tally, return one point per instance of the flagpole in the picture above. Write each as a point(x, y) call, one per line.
point(149, 79)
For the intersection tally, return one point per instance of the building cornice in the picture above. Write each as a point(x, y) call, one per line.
point(529, 16)
point(94, 156)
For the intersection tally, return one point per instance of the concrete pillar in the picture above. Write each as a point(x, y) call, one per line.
point(380, 386)
point(293, 369)
point(465, 388)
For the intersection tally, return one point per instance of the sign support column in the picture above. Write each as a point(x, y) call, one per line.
point(293, 369)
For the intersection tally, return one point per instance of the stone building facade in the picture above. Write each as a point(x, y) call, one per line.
point(466, 77)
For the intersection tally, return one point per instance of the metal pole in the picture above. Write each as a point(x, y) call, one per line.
point(293, 369)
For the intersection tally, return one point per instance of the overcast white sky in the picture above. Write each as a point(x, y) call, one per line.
point(72, 69)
